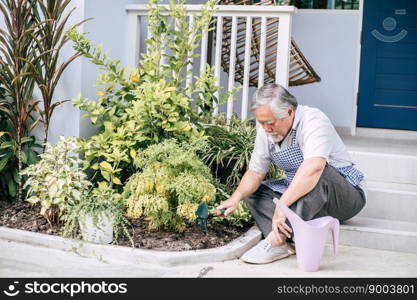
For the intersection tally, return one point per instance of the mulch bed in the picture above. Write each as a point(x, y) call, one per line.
point(25, 216)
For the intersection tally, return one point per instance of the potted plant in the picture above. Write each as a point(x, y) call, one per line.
point(98, 217)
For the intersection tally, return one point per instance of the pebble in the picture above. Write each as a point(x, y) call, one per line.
point(42, 221)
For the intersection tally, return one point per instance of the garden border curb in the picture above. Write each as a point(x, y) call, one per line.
point(123, 254)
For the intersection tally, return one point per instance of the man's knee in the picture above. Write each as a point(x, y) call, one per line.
point(261, 193)
point(250, 201)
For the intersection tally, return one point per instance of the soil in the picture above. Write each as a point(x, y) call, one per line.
point(26, 217)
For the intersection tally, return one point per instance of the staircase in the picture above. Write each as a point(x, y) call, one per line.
point(389, 219)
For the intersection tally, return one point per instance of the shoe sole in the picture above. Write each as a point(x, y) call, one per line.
point(264, 261)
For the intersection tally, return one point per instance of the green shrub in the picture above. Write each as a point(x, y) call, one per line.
point(153, 102)
point(171, 184)
point(9, 152)
point(229, 148)
point(56, 181)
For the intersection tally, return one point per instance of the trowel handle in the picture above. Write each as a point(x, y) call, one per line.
point(219, 212)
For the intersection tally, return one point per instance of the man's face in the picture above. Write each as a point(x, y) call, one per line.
point(276, 128)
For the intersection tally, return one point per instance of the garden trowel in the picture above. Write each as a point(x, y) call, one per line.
point(203, 215)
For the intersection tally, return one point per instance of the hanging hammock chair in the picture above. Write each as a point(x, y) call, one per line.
point(300, 71)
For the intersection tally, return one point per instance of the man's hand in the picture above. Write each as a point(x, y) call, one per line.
point(279, 225)
point(248, 185)
point(230, 204)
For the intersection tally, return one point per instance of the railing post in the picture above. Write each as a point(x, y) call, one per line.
point(137, 13)
point(283, 49)
point(133, 39)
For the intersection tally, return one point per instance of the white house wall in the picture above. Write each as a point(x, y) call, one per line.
point(328, 39)
point(66, 118)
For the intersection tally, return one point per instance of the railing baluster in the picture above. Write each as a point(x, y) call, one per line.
point(218, 59)
point(261, 77)
point(232, 67)
point(245, 92)
point(148, 33)
point(283, 50)
point(189, 80)
point(133, 46)
point(203, 60)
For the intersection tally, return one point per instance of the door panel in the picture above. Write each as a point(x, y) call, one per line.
point(388, 74)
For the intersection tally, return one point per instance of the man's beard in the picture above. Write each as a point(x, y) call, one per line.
point(276, 137)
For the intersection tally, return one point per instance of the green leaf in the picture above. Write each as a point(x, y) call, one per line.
point(116, 181)
point(12, 188)
point(106, 166)
point(24, 157)
point(106, 175)
point(15, 175)
point(32, 157)
point(26, 140)
point(8, 144)
point(3, 133)
point(3, 163)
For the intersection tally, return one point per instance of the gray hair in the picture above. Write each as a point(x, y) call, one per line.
point(277, 97)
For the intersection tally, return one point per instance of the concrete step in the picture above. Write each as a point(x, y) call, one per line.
point(379, 234)
point(391, 201)
point(384, 159)
point(385, 133)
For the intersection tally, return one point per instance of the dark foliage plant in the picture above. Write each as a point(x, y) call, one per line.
point(30, 47)
point(16, 47)
point(49, 39)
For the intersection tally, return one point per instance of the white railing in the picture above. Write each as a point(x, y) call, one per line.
point(238, 14)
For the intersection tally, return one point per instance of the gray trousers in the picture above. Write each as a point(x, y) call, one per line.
point(332, 196)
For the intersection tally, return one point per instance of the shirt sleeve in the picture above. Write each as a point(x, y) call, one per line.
point(260, 160)
point(317, 135)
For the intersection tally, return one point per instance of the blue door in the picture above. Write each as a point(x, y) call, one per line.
point(388, 73)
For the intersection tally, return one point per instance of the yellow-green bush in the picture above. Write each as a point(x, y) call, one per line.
point(171, 184)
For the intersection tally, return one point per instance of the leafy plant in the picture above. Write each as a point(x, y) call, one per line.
point(152, 103)
point(169, 187)
point(228, 151)
point(9, 177)
point(241, 217)
point(49, 39)
point(56, 181)
point(16, 48)
point(101, 200)
point(229, 148)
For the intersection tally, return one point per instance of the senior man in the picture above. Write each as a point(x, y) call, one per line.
point(321, 179)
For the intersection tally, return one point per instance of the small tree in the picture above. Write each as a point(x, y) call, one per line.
point(153, 102)
point(16, 47)
point(49, 39)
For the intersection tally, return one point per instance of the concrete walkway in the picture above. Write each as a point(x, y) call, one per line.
point(22, 260)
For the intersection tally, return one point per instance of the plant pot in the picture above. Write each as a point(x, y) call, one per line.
point(100, 232)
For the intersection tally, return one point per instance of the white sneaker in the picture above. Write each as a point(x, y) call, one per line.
point(264, 253)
